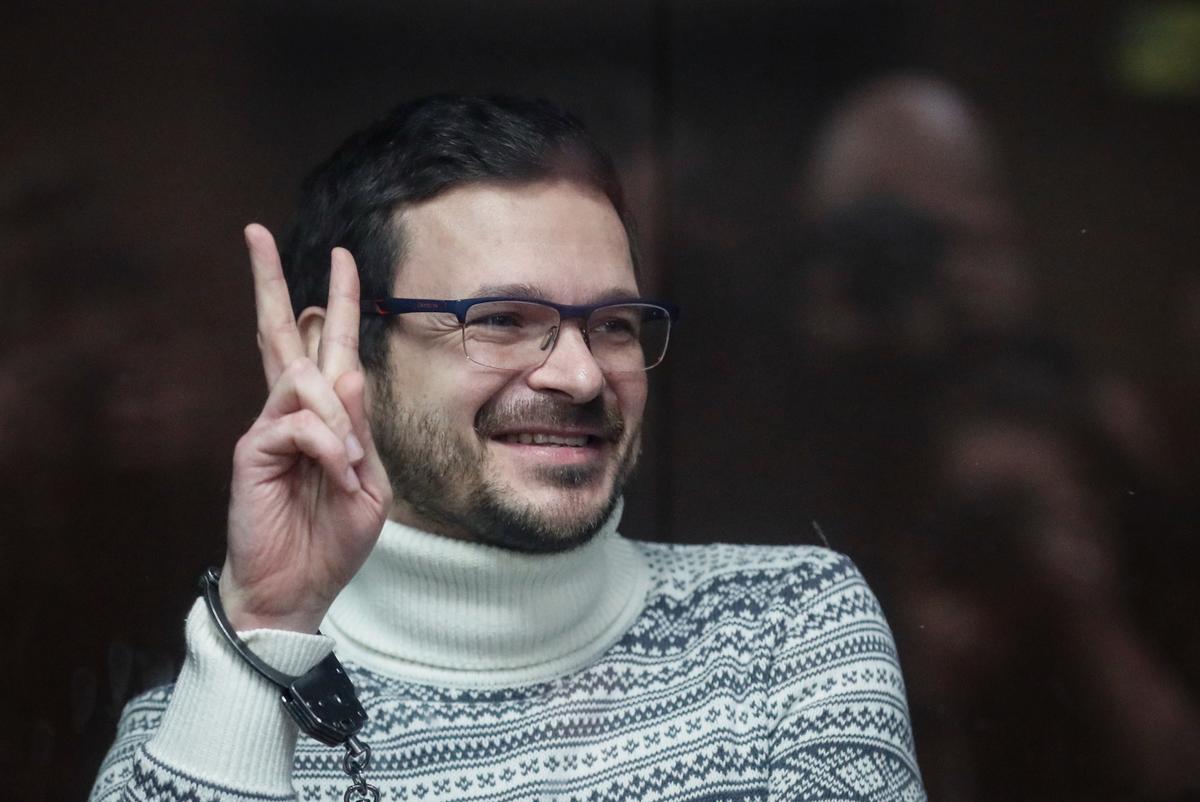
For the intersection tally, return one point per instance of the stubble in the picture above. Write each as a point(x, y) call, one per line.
point(443, 477)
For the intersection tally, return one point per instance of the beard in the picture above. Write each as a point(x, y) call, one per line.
point(444, 479)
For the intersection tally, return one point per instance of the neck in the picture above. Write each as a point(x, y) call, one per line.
point(434, 609)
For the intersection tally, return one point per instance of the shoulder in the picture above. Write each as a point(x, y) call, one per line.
point(143, 713)
point(793, 574)
point(766, 593)
point(139, 721)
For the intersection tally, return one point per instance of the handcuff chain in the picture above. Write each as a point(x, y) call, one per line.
point(356, 760)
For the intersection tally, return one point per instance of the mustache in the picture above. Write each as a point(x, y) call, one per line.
point(494, 418)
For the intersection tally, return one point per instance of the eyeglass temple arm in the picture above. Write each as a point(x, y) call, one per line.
point(386, 307)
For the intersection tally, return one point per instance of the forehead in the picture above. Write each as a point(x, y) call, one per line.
point(560, 238)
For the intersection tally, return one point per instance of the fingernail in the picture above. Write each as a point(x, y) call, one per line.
point(352, 483)
point(354, 449)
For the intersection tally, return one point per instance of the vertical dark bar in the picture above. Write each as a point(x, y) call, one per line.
point(662, 130)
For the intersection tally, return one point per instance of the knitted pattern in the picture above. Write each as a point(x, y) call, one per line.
point(752, 673)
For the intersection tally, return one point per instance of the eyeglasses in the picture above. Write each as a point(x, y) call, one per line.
point(519, 334)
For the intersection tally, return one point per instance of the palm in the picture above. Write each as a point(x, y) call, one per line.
point(309, 494)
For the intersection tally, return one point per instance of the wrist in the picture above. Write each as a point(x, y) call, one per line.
point(321, 701)
point(244, 614)
point(224, 720)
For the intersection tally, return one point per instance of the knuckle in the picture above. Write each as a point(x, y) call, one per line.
point(244, 445)
point(271, 331)
point(299, 369)
point(317, 429)
point(343, 294)
point(250, 444)
point(307, 420)
point(319, 441)
point(345, 340)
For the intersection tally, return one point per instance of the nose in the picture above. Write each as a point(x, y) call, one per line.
point(570, 368)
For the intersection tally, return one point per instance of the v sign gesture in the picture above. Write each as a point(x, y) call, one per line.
point(309, 494)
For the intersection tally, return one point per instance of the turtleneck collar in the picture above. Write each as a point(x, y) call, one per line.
point(434, 610)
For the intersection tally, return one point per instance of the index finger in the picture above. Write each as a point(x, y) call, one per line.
point(339, 335)
point(278, 337)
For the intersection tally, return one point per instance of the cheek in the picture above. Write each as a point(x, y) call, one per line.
point(459, 393)
point(630, 391)
point(440, 379)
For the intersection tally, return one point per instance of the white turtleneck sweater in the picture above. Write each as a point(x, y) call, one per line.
point(615, 671)
point(447, 612)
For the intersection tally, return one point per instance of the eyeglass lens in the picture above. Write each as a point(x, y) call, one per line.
point(516, 335)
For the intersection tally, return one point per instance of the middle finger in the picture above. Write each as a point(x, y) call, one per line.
point(339, 336)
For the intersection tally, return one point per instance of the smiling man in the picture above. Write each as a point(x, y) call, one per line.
point(524, 443)
point(457, 370)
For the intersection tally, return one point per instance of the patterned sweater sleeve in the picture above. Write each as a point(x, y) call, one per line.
point(841, 725)
point(220, 733)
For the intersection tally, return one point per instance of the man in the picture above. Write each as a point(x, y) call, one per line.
point(505, 641)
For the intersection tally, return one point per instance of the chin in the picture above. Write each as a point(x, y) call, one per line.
point(545, 519)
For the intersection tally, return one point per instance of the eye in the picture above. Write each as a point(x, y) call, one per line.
point(499, 320)
point(496, 315)
point(616, 323)
point(614, 326)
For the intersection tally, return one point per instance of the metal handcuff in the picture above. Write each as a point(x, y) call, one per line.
point(322, 701)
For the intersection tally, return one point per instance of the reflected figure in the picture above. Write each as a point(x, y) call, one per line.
point(913, 246)
point(1022, 604)
point(1018, 500)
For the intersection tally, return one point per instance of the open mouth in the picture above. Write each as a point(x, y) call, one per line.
point(539, 439)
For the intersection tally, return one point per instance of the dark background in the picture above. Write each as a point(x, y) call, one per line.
point(1044, 610)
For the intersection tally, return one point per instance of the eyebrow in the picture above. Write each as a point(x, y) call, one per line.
point(530, 292)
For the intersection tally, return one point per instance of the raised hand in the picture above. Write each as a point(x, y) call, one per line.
point(309, 494)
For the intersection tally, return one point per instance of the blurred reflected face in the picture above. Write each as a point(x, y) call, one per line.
point(533, 459)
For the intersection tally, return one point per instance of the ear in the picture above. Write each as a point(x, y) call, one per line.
point(310, 324)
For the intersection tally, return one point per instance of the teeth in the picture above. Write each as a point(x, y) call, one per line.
point(525, 438)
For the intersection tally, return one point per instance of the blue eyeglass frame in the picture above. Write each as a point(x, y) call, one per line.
point(387, 307)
